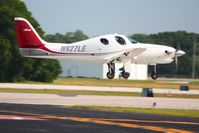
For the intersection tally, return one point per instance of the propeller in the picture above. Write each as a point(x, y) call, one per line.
point(177, 54)
point(176, 61)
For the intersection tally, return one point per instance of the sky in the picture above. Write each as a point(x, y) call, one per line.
point(98, 17)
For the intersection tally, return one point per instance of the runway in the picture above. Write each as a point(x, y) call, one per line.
point(18, 118)
point(123, 101)
point(94, 88)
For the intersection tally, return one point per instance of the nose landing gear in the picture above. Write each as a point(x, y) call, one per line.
point(154, 74)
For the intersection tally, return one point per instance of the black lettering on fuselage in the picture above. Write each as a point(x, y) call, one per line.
point(76, 47)
point(84, 48)
point(79, 49)
point(73, 48)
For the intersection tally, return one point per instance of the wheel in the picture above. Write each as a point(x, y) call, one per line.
point(154, 76)
point(125, 75)
point(110, 75)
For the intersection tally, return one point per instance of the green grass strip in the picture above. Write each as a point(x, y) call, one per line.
point(77, 92)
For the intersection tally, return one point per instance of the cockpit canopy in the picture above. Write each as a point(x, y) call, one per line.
point(132, 40)
point(120, 39)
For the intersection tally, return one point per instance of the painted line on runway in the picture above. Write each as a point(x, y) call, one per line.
point(155, 121)
point(103, 122)
point(153, 128)
point(15, 117)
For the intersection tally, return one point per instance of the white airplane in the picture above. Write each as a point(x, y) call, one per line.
point(109, 49)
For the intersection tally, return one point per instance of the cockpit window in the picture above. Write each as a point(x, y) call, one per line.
point(104, 41)
point(132, 40)
point(120, 40)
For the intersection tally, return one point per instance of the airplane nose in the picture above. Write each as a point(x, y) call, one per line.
point(179, 53)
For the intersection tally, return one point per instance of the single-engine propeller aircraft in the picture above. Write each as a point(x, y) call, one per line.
point(109, 49)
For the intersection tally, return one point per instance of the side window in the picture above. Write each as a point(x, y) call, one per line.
point(120, 40)
point(104, 41)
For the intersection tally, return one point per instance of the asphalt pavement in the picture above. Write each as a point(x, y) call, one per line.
point(121, 101)
point(94, 88)
point(24, 118)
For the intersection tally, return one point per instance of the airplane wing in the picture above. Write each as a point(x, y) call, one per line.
point(126, 55)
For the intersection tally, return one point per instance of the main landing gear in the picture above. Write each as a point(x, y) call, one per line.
point(111, 70)
point(154, 74)
point(124, 74)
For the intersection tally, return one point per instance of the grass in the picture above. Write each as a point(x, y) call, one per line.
point(112, 83)
point(84, 92)
point(75, 92)
point(171, 84)
point(174, 112)
point(195, 82)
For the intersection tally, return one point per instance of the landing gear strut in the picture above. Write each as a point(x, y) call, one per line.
point(154, 74)
point(111, 70)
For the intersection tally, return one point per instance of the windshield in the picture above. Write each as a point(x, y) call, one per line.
point(132, 40)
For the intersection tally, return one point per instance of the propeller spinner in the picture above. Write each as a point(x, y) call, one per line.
point(177, 54)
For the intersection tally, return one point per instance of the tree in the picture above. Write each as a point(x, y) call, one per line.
point(69, 37)
point(5, 57)
point(13, 66)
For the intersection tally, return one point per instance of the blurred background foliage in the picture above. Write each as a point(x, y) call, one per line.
point(16, 68)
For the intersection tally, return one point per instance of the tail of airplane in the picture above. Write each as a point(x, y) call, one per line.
point(27, 36)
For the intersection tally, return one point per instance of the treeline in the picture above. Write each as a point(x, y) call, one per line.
point(69, 37)
point(13, 67)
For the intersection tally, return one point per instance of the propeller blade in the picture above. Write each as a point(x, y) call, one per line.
point(176, 62)
point(177, 54)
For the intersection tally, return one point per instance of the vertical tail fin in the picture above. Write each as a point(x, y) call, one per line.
point(27, 36)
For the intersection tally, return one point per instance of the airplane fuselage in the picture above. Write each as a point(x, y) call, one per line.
point(93, 50)
point(109, 49)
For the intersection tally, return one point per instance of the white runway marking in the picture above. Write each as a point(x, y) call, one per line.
point(13, 117)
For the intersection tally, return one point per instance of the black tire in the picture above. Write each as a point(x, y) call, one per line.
point(154, 76)
point(110, 75)
point(125, 75)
